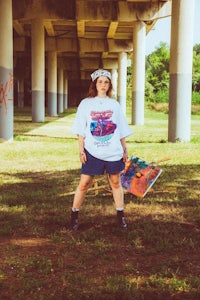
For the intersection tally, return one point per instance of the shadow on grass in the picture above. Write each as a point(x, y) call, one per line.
point(23, 120)
point(157, 257)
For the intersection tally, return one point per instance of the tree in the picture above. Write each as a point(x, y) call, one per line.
point(157, 75)
point(197, 49)
point(196, 69)
point(157, 68)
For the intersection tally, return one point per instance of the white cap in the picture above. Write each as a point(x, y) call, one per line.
point(99, 73)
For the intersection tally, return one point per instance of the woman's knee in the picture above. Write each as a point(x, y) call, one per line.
point(115, 182)
point(85, 184)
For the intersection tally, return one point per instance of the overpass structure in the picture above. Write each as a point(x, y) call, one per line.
point(51, 47)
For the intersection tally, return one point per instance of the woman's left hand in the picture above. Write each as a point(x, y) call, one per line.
point(125, 156)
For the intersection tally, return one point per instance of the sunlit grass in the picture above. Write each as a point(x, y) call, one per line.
point(156, 258)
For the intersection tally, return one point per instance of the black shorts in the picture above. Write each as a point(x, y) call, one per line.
point(95, 166)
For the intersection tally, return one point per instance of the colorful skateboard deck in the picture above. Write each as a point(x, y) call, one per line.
point(138, 176)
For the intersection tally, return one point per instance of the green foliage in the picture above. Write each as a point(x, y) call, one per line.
point(196, 69)
point(149, 92)
point(157, 68)
point(162, 96)
point(157, 75)
point(157, 78)
point(196, 48)
point(129, 86)
point(195, 98)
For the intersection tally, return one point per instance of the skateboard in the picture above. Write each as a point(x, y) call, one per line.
point(139, 176)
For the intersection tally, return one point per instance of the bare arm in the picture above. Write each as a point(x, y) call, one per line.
point(82, 153)
point(125, 154)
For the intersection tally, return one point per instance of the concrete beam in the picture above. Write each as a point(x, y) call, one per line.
point(110, 63)
point(92, 45)
point(43, 9)
point(120, 46)
point(140, 12)
point(90, 64)
point(18, 28)
point(85, 45)
point(61, 45)
point(112, 29)
point(104, 54)
point(144, 0)
point(121, 10)
point(81, 28)
point(98, 10)
point(49, 27)
point(69, 63)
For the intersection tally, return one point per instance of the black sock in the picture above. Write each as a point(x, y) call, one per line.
point(120, 213)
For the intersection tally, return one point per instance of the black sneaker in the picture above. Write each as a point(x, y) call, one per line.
point(121, 220)
point(74, 220)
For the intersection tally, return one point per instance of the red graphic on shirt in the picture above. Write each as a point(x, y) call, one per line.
point(102, 125)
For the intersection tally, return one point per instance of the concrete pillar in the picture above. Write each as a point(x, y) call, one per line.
point(66, 93)
point(6, 71)
point(114, 82)
point(52, 83)
point(181, 56)
point(38, 71)
point(138, 84)
point(122, 80)
point(21, 93)
point(60, 90)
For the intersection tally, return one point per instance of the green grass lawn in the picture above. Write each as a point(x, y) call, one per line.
point(156, 258)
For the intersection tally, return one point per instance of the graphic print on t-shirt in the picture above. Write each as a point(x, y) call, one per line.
point(102, 127)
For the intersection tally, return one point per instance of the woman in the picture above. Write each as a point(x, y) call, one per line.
point(101, 128)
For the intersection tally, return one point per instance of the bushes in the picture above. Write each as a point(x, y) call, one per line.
point(157, 79)
point(162, 96)
point(196, 98)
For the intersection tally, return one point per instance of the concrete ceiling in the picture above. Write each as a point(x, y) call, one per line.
point(87, 34)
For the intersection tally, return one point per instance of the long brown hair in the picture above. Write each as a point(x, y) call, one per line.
point(93, 90)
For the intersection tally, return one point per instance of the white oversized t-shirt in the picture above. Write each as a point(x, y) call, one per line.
point(102, 123)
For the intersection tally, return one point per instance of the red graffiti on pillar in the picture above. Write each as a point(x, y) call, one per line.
point(5, 91)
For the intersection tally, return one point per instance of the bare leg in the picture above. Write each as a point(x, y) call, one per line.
point(85, 182)
point(82, 188)
point(118, 196)
point(117, 190)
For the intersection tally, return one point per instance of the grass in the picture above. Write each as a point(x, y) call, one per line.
point(156, 258)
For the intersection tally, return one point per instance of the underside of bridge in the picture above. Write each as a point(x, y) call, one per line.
point(50, 48)
point(85, 34)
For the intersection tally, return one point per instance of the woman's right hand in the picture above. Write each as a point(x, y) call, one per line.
point(83, 157)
